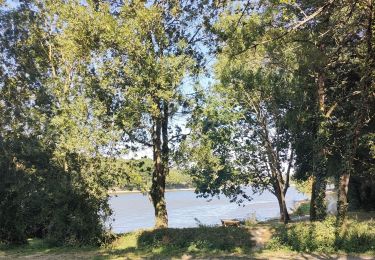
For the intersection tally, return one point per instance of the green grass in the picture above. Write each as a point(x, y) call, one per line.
point(167, 243)
point(162, 243)
point(357, 237)
point(36, 247)
point(218, 242)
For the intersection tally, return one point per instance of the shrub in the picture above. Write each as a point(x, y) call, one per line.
point(194, 239)
point(323, 237)
point(251, 220)
point(39, 199)
point(303, 209)
point(359, 237)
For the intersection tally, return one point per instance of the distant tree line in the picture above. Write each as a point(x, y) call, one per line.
point(141, 171)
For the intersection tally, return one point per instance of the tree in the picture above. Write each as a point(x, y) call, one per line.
point(355, 80)
point(338, 34)
point(240, 133)
point(154, 48)
point(55, 135)
point(327, 38)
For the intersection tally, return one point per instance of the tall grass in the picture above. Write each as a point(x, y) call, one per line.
point(358, 237)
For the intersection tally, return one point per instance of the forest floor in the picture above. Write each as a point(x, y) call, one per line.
point(247, 242)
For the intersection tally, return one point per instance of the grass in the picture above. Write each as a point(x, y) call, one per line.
point(37, 247)
point(294, 241)
point(158, 244)
point(174, 243)
point(323, 237)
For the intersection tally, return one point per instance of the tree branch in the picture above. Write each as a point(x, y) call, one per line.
point(293, 28)
point(137, 140)
point(287, 177)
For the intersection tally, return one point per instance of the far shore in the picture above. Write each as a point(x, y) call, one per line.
point(117, 192)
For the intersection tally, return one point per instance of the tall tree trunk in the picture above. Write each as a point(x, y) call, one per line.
point(157, 192)
point(165, 150)
point(318, 209)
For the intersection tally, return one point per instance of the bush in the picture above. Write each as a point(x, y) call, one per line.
point(303, 209)
point(251, 220)
point(194, 239)
point(322, 237)
point(39, 199)
point(359, 237)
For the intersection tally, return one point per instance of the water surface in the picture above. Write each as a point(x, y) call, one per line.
point(134, 211)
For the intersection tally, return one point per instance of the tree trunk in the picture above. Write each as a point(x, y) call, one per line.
point(165, 152)
point(165, 147)
point(274, 162)
point(157, 192)
point(284, 215)
point(342, 200)
point(318, 209)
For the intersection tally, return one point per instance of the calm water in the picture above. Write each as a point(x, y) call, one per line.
point(134, 211)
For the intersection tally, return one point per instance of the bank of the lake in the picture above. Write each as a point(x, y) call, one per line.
point(119, 191)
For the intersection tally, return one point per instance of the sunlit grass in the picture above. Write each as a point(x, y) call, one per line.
point(204, 242)
point(358, 237)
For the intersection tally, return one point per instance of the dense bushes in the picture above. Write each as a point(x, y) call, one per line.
point(40, 199)
point(323, 237)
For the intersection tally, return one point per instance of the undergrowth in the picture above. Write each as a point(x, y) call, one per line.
point(357, 237)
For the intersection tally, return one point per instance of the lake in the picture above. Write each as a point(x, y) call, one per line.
point(134, 211)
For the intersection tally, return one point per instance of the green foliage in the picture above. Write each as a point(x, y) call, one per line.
point(303, 209)
point(40, 199)
point(198, 239)
point(323, 69)
point(322, 237)
point(210, 242)
point(138, 173)
point(83, 81)
point(178, 179)
point(251, 221)
point(240, 133)
point(149, 52)
point(304, 186)
point(55, 134)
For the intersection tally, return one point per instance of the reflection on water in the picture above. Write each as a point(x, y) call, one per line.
point(134, 210)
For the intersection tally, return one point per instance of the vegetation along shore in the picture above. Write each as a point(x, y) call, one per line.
point(232, 99)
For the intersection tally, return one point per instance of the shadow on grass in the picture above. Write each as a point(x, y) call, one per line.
point(190, 242)
point(39, 248)
point(34, 245)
